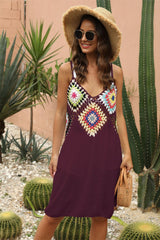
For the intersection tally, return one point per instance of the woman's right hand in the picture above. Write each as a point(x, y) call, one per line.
point(53, 166)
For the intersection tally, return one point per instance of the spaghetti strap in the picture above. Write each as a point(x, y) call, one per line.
point(73, 71)
point(71, 68)
point(111, 70)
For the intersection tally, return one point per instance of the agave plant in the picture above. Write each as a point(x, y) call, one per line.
point(22, 145)
point(37, 55)
point(12, 98)
point(38, 150)
point(145, 146)
point(30, 149)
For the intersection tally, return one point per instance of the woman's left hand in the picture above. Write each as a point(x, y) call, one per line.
point(127, 162)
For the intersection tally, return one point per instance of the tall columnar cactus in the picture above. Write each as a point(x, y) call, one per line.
point(10, 225)
point(145, 146)
point(141, 230)
point(38, 191)
point(75, 228)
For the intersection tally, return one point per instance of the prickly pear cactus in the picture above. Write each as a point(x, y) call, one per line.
point(38, 190)
point(75, 228)
point(141, 230)
point(10, 225)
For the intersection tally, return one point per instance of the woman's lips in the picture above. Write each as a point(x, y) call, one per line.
point(85, 46)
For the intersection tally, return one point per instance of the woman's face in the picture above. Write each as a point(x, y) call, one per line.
point(88, 47)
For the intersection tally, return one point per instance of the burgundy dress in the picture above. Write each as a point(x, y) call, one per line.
point(90, 157)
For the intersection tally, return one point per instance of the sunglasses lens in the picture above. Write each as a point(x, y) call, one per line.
point(78, 34)
point(89, 36)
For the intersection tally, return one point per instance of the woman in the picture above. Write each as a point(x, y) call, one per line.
point(87, 167)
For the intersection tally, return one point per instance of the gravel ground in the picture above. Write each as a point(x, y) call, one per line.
point(14, 174)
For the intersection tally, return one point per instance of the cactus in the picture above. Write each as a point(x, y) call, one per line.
point(104, 4)
point(38, 190)
point(75, 228)
point(140, 230)
point(145, 146)
point(10, 225)
point(157, 198)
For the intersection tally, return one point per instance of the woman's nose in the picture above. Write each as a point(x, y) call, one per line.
point(84, 37)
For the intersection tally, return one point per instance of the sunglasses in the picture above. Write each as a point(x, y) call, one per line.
point(89, 34)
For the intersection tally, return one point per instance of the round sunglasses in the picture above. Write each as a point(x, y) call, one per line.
point(89, 34)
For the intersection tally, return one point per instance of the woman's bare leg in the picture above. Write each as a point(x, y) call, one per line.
point(46, 228)
point(98, 228)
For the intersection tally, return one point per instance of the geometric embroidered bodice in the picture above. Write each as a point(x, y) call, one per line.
point(92, 113)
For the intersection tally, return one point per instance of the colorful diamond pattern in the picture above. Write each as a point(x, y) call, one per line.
point(76, 95)
point(108, 98)
point(92, 119)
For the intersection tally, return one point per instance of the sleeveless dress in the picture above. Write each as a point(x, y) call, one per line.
point(90, 157)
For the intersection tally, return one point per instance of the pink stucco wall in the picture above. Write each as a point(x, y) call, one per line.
point(128, 16)
point(11, 15)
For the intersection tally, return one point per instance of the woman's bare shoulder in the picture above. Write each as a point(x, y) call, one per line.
point(65, 71)
point(117, 73)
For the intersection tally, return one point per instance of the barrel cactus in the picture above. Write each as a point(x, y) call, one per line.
point(38, 191)
point(10, 225)
point(141, 230)
point(75, 228)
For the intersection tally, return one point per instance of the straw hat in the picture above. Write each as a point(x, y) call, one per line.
point(71, 20)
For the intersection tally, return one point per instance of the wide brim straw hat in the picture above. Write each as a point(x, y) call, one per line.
point(72, 18)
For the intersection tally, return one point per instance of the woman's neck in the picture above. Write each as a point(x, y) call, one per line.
point(92, 59)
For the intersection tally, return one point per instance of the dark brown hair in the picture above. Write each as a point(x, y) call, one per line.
point(104, 54)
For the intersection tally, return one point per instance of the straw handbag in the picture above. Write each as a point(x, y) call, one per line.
point(124, 188)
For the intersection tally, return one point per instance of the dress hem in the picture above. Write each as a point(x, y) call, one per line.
point(73, 215)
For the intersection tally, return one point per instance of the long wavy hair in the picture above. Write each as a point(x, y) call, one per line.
point(104, 54)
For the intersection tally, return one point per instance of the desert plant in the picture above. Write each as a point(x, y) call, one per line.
point(140, 230)
point(23, 146)
point(38, 191)
point(29, 149)
point(37, 151)
point(145, 146)
point(8, 42)
point(12, 98)
point(10, 225)
point(5, 142)
point(37, 54)
point(75, 228)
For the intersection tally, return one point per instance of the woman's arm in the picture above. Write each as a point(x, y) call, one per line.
point(121, 124)
point(64, 77)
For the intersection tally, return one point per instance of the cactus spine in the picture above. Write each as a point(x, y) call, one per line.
point(140, 230)
point(38, 190)
point(75, 228)
point(10, 225)
point(145, 147)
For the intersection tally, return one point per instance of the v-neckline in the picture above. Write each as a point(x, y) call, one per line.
point(88, 92)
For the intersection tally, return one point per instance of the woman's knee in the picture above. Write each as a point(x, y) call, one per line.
point(99, 219)
point(53, 220)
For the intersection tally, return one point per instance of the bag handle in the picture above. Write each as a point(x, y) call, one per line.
point(124, 174)
point(122, 178)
